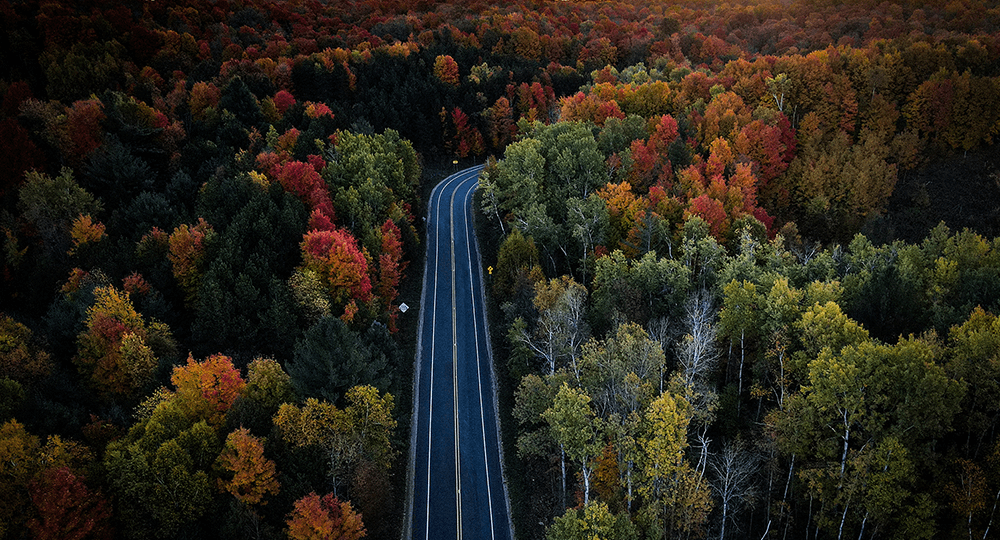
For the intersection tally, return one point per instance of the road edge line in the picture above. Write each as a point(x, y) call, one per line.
point(496, 401)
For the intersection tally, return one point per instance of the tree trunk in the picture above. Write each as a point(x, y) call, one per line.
point(822, 507)
point(739, 396)
point(843, 518)
point(562, 465)
point(788, 481)
point(990, 524)
point(809, 517)
point(628, 482)
point(725, 510)
point(496, 212)
point(843, 455)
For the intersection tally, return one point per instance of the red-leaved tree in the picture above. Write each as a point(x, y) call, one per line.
point(342, 267)
point(83, 121)
point(283, 100)
point(303, 180)
point(67, 509)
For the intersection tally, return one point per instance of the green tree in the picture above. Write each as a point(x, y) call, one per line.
point(519, 176)
point(50, 204)
point(621, 372)
point(244, 302)
point(738, 318)
point(592, 522)
point(576, 431)
point(330, 358)
point(237, 98)
point(371, 176)
point(575, 165)
point(160, 474)
point(517, 266)
point(116, 174)
point(638, 290)
point(536, 439)
point(267, 387)
point(974, 356)
point(588, 222)
point(268, 384)
point(860, 401)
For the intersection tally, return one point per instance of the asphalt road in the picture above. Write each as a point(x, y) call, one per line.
point(456, 483)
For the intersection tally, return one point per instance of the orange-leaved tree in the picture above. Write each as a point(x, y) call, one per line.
point(624, 208)
point(250, 476)
point(206, 390)
point(446, 70)
point(324, 518)
point(85, 231)
point(390, 266)
point(187, 256)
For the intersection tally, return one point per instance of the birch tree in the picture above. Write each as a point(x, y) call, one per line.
point(576, 431)
point(734, 470)
point(698, 355)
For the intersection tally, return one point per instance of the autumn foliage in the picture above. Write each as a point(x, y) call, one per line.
point(315, 518)
point(112, 353)
point(21, 359)
point(187, 256)
point(85, 231)
point(391, 265)
point(206, 390)
point(67, 508)
point(246, 171)
point(446, 70)
point(342, 267)
point(253, 475)
point(303, 180)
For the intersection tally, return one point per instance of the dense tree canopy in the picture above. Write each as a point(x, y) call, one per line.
point(672, 198)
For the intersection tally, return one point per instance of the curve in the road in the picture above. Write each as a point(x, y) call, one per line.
point(455, 432)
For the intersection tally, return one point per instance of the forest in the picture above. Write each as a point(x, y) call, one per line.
point(745, 265)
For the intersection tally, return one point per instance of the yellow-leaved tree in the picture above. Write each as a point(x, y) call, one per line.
point(360, 432)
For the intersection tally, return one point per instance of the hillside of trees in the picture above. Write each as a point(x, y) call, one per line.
point(210, 211)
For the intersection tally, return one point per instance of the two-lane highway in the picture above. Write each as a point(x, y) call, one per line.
point(456, 485)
